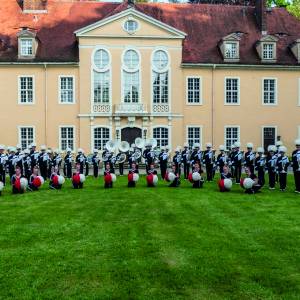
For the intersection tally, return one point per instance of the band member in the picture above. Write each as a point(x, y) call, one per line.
point(3, 162)
point(163, 162)
point(222, 158)
point(255, 187)
point(176, 181)
point(271, 166)
point(57, 160)
point(121, 164)
point(225, 182)
point(76, 180)
point(43, 161)
point(80, 159)
point(208, 159)
point(150, 172)
point(250, 157)
point(131, 172)
point(231, 159)
point(131, 158)
point(27, 164)
point(278, 144)
point(177, 161)
point(32, 184)
point(107, 158)
point(225, 174)
point(87, 166)
point(95, 162)
point(185, 160)
point(11, 161)
point(296, 165)
point(108, 183)
point(196, 155)
point(68, 163)
point(198, 183)
point(16, 182)
point(19, 158)
point(237, 162)
point(260, 165)
point(54, 183)
point(34, 155)
point(148, 156)
point(282, 165)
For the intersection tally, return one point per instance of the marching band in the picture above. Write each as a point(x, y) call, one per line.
point(29, 168)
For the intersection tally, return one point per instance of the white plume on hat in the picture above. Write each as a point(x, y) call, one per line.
point(69, 149)
point(282, 149)
point(186, 144)
point(237, 144)
point(80, 150)
point(297, 142)
point(272, 148)
point(96, 151)
point(249, 145)
point(260, 150)
point(222, 147)
point(208, 145)
point(2, 147)
point(279, 143)
point(43, 147)
point(197, 145)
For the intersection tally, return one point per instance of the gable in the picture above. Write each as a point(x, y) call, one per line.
point(114, 27)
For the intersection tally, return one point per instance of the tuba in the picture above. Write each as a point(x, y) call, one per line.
point(139, 143)
point(111, 146)
point(124, 146)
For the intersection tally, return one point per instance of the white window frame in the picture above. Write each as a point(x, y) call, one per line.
point(32, 47)
point(274, 51)
point(169, 133)
point(226, 43)
point(187, 90)
point(131, 31)
point(298, 89)
point(92, 134)
point(19, 89)
point(232, 126)
point(262, 132)
point(238, 92)
point(74, 136)
point(263, 91)
point(20, 127)
point(59, 89)
point(200, 132)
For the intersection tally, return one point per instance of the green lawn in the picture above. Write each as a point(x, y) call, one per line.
point(141, 243)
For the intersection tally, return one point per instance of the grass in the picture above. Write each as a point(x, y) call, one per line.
point(143, 243)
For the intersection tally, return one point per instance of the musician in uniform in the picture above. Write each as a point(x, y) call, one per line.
point(52, 184)
point(282, 165)
point(296, 165)
point(163, 162)
point(208, 159)
point(196, 155)
point(43, 161)
point(15, 181)
point(250, 157)
point(68, 163)
point(27, 164)
point(131, 157)
point(231, 159)
point(148, 156)
point(225, 174)
point(277, 144)
point(11, 161)
point(177, 161)
point(134, 170)
point(185, 160)
point(57, 160)
point(221, 158)
point(153, 172)
point(3, 161)
point(80, 159)
point(95, 162)
point(108, 171)
point(237, 162)
point(107, 156)
point(176, 181)
point(256, 186)
point(260, 164)
point(199, 183)
point(271, 166)
point(121, 164)
point(35, 173)
point(34, 154)
point(76, 174)
point(19, 158)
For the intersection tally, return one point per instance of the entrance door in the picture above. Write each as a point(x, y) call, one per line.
point(269, 136)
point(130, 134)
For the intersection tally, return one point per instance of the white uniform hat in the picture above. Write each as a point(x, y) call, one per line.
point(282, 149)
point(297, 142)
point(272, 148)
point(26, 151)
point(43, 147)
point(13, 149)
point(162, 148)
point(196, 145)
point(279, 143)
point(49, 151)
point(96, 151)
point(232, 146)
point(260, 150)
point(237, 144)
point(18, 147)
point(56, 151)
point(186, 145)
point(68, 149)
point(249, 145)
point(208, 145)
point(33, 145)
point(221, 147)
point(80, 150)
point(178, 149)
point(2, 147)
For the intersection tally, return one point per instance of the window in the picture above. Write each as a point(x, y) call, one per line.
point(268, 51)
point(231, 50)
point(26, 137)
point(269, 91)
point(131, 77)
point(160, 60)
point(160, 87)
point(193, 90)
point(131, 26)
point(232, 91)
point(66, 89)
point(232, 135)
point(26, 47)
point(26, 89)
point(193, 136)
point(269, 136)
point(101, 137)
point(161, 134)
point(67, 138)
point(101, 77)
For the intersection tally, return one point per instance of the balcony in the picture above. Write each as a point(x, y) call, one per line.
point(101, 108)
point(160, 108)
point(132, 109)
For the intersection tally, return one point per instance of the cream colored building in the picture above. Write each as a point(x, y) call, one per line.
point(151, 70)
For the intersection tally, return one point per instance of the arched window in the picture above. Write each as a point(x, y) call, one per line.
point(160, 80)
point(161, 134)
point(101, 76)
point(101, 136)
point(131, 76)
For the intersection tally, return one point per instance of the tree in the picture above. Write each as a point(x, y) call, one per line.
point(294, 8)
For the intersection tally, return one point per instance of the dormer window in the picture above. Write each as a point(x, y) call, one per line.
point(231, 50)
point(268, 51)
point(27, 44)
point(266, 48)
point(230, 47)
point(295, 47)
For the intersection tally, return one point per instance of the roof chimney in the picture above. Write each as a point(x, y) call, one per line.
point(261, 15)
point(35, 6)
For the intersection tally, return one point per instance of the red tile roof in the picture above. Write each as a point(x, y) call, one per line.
point(204, 24)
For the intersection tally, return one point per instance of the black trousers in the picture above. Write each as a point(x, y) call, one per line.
point(44, 171)
point(68, 170)
point(251, 167)
point(163, 171)
point(297, 180)
point(209, 172)
point(261, 177)
point(87, 169)
point(237, 173)
point(108, 185)
point(186, 170)
point(78, 186)
point(198, 184)
point(81, 168)
point(96, 171)
point(282, 180)
point(3, 176)
point(131, 184)
point(121, 168)
point(272, 179)
point(178, 169)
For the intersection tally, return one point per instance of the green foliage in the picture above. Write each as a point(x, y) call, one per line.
point(149, 243)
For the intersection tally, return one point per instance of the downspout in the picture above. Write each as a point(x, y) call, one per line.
point(212, 102)
point(46, 103)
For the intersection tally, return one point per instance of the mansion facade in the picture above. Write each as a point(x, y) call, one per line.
point(80, 73)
